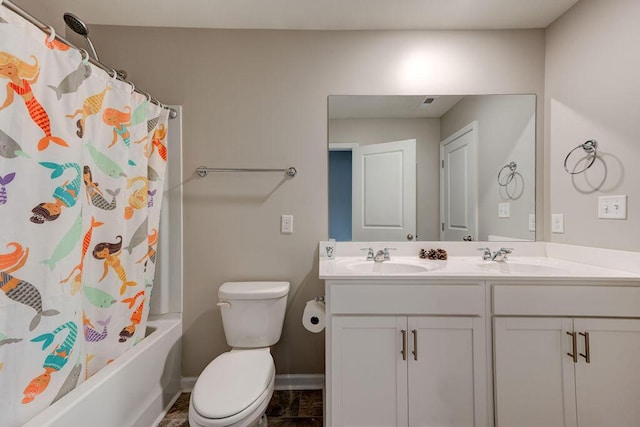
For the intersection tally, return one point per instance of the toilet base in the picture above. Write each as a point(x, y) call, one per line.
point(196, 420)
point(260, 422)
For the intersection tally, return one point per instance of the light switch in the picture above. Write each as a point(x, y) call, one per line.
point(612, 207)
point(557, 223)
point(286, 224)
point(504, 210)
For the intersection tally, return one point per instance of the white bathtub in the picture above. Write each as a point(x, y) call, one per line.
point(136, 389)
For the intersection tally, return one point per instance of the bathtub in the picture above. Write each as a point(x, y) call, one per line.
point(136, 389)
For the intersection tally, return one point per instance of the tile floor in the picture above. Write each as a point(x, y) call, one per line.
point(287, 408)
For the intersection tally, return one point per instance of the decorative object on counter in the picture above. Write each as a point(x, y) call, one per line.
point(434, 254)
point(591, 148)
point(328, 249)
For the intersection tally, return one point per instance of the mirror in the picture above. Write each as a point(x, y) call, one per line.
point(430, 167)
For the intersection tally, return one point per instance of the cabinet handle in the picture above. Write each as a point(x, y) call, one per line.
point(574, 344)
point(415, 344)
point(404, 344)
point(587, 355)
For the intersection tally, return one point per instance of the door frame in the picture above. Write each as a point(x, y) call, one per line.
point(338, 146)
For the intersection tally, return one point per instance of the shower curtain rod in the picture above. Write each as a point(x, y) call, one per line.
point(47, 29)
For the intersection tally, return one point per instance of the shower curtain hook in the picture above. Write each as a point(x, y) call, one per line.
point(133, 87)
point(85, 57)
point(52, 33)
point(147, 95)
point(115, 74)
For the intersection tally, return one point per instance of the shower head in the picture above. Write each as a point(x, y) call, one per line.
point(80, 28)
point(76, 24)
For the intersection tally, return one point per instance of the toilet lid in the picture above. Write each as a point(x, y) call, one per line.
point(232, 382)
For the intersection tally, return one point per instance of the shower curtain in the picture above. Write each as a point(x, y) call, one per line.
point(82, 160)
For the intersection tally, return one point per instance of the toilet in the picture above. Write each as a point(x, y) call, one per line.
point(235, 388)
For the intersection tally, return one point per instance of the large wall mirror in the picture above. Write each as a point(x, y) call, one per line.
point(432, 167)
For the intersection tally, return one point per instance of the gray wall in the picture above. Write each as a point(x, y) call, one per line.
point(426, 132)
point(259, 99)
point(506, 133)
point(593, 92)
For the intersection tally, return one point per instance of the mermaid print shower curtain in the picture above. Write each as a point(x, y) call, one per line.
point(82, 160)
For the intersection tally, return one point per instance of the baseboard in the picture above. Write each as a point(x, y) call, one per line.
point(283, 382)
point(187, 384)
point(299, 382)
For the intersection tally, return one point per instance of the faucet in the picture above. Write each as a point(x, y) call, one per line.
point(380, 256)
point(486, 256)
point(499, 256)
point(370, 255)
point(383, 255)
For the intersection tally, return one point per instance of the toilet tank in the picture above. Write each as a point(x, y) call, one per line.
point(253, 312)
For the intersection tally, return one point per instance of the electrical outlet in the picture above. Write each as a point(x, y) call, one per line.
point(286, 224)
point(504, 210)
point(532, 222)
point(612, 207)
point(557, 223)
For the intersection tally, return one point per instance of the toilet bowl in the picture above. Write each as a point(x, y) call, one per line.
point(234, 390)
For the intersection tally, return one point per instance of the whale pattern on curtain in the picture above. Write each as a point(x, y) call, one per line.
point(82, 163)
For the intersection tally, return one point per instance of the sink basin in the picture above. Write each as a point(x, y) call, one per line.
point(387, 267)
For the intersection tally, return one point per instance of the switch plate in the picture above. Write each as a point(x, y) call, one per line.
point(612, 207)
point(532, 222)
point(557, 223)
point(504, 210)
point(286, 224)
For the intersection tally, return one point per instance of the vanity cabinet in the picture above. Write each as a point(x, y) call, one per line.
point(407, 355)
point(566, 371)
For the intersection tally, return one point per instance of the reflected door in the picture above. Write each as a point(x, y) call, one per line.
point(384, 191)
point(458, 183)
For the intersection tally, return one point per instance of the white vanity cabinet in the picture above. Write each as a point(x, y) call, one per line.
point(542, 375)
point(406, 354)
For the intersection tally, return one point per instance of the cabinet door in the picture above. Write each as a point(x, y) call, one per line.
point(608, 387)
point(447, 372)
point(534, 376)
point(368, 375)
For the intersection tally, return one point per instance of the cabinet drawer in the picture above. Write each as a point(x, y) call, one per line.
point(533, 300)
point(437, 299)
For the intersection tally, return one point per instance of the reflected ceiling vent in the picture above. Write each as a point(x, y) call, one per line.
point(427, 101)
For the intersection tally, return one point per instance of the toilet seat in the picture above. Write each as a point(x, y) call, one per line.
point(234, 386)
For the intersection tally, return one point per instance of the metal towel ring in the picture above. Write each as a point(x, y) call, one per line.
point(505, 180)
point(590, 147)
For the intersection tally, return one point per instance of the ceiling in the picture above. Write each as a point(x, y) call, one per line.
point(309, 14)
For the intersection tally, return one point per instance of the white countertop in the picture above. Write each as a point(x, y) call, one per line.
point(534, 265)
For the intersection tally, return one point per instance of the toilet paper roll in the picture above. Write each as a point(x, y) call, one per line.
point(313, 317)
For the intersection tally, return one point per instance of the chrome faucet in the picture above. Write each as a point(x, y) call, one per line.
point(386, 253)
point(499, 256)
point(486, 255)
point(370, 255)
point(380, 256)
